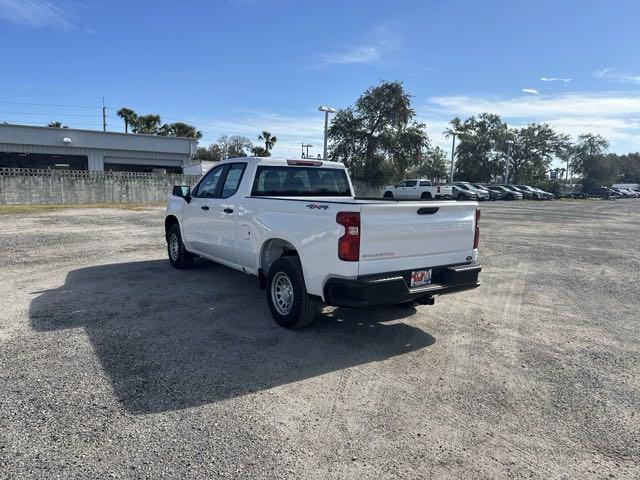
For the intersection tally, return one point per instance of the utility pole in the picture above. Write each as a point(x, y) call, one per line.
point(104, 116)
point(305, 145)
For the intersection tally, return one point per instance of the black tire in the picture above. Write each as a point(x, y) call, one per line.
point(388, 195)
point(426, 196)
point(303, 308)
point(511, 197)
point(178, 255)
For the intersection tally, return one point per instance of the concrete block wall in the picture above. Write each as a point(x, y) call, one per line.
point(29, 187)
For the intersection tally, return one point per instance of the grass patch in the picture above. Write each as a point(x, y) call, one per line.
point(14, 209)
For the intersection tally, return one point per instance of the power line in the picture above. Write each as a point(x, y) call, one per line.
point(44, 114)
point(22, 122)
point(50, 104)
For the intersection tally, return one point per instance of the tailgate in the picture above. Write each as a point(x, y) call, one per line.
point(444, 190)
point(403, 236)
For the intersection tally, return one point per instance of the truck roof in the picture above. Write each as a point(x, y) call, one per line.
point(284, 161)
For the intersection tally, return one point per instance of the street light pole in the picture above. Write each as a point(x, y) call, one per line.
point(327, 111)
point(506, 174)
point(453, 152)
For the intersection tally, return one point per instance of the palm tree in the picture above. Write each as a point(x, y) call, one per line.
point(269, 140)
point(148, 124)
point(56, 125)
point(129, 117)
point(180, 129)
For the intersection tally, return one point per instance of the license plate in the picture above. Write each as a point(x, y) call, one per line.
point(420, 278)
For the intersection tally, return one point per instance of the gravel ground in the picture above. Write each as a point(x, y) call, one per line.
point(113, 364)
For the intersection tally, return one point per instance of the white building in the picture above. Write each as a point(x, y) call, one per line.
point(23, 146)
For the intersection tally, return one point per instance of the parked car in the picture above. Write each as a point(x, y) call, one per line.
point(296, 225)
point(625, 192)
point(525, 193)
point(417, 188)
point(461, 194)
point(493, 194)
point(604, 192)
point(481, 194)
point(577, 195)
point(536, 193)
point(507, 193)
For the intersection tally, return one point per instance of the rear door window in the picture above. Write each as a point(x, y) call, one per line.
point(233, 179)
point(411, 183)
point(275, 181)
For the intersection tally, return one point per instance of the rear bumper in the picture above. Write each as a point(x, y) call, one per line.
point(393, 287)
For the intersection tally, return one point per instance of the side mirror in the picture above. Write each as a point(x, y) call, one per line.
point(182, 191)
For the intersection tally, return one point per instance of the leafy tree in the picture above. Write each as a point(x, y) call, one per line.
point(180, 129)
point(481, 151)
point(259, 151)
point(238, 146)
point(269, 141)
point(128, 116)
point(407, 148)
point(146, 124)
point(532, 151)
point(626, 167)
point(432, 165)
point(376, 137)
point(212, 153)
point(591, 162)
point(56, 124)
point(348, 137)
point(565, 151)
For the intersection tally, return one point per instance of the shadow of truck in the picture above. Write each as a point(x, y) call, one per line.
point(171, 339)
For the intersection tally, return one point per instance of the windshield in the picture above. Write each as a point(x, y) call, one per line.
point(274, 181)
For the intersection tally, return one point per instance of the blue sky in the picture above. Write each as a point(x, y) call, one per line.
point(240, 66)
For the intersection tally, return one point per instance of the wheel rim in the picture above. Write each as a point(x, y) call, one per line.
point(282, 293)
point(174, 247)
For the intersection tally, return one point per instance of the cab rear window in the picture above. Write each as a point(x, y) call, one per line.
point(274, 181)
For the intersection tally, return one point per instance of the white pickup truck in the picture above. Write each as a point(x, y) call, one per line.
point(418, 188)
point(296, 225)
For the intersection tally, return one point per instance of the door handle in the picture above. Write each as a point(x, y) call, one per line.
point(204, 207)
point(228, 210)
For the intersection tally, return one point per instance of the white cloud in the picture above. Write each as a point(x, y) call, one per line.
point(37, 14)
point(363, 54)
point(615, 115)
point(372, 51)
point(556, 79)
point(291, 130)
point(576, 104)
point(613, 74)
point(531, 91)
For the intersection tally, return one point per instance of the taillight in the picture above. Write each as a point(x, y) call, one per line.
point(476, 237)
point(349, 243)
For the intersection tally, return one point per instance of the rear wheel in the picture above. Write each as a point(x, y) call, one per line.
point(178, 255)
point(388, 195)
point(426, 196)
point(290, 304)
